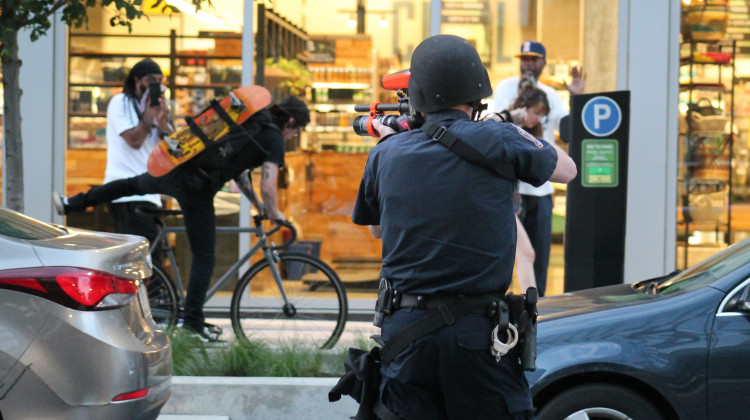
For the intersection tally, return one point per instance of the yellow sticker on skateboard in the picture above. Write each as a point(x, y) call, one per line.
point(216, 121)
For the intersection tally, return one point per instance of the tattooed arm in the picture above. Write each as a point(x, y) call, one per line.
point(268, 192)
point(245, 184)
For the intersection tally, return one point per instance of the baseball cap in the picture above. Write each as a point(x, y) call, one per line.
point(533, 49)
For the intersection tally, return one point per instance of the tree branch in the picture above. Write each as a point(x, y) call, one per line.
point(21, 23)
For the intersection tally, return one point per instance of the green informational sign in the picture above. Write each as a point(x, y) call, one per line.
point(599, 158)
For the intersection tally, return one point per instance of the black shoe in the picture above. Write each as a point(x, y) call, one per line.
point(206, 334)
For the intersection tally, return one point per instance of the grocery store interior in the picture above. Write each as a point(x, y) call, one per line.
point(333, 55)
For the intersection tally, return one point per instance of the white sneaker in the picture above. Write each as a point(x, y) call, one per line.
point(61, 202)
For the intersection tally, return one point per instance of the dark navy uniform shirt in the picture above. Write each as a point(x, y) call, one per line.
point(448, 225)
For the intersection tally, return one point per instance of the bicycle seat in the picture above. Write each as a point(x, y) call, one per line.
point(157, 211)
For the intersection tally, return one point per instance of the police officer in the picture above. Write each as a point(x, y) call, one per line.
point(448, 232)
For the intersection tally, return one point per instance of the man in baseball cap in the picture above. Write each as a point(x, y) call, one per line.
point(533, 57)
point(532, 49)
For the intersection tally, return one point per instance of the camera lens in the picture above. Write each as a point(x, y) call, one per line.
point(359, 124)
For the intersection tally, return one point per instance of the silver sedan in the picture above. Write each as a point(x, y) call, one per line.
point(77, 339)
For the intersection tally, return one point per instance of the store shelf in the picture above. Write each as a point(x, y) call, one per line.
point(96, 84)
point(177, 86)
point(140, 55)
point(707, 58)
point(332, 116)
point(333, 107)
point(87, 115)
point(331, 129)
point(716, 87)
point(194, 77)
point(338, 85)
point(705, 164)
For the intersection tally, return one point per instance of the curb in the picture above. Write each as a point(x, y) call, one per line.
point(240, 398)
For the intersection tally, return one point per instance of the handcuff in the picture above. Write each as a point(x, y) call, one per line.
point(500, 349)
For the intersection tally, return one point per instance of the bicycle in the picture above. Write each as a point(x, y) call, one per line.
point(283, 296)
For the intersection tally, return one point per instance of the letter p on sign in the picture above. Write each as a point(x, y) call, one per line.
point(601, 116)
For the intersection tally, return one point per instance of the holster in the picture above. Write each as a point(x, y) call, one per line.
point(361, 381)
point(385, 305)
point(523, 315)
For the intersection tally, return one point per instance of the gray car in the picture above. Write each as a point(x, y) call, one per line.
point(77, 340)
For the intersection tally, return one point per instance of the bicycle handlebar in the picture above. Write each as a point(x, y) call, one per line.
point(258, 219)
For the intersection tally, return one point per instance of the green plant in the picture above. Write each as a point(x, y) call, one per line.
point(191, 357)
point(299, 78)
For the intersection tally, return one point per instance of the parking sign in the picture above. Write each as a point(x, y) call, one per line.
point(601, 116)
point(596, 200)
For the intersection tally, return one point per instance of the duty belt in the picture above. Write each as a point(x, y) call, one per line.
point(483, 307)
point(444, 310)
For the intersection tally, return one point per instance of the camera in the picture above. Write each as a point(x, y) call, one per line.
point(154, 92)
point(407, 119)
point(398, 123)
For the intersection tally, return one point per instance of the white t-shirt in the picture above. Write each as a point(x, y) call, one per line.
point(122, 160)
point(505, 94)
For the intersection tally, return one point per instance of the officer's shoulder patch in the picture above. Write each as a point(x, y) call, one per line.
point(538, 143)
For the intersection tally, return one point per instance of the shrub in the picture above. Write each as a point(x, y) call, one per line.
point(192, 357)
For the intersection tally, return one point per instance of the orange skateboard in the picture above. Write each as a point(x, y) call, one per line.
point(214, 122)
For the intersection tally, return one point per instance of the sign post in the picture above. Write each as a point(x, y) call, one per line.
point(596, 199)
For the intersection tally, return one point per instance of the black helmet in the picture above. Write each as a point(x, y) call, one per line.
point(291, 107)
point(446, 71)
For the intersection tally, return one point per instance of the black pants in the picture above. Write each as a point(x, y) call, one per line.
point(536, 218)
point(194, 192)
point(451, 374)
point(126, 220)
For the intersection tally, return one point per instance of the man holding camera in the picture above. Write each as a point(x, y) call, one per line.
point(448, 232)
point(137, 119)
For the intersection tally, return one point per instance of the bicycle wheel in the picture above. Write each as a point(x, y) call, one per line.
point(162, 297)
point(317, 308)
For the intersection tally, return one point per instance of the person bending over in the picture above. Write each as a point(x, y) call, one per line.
point(194, 184)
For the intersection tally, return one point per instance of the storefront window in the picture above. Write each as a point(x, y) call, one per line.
point(200, 56)
point(349, 47)
point(2, 136)
point(713, 129)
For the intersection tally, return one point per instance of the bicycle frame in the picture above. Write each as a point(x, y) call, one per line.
point(231, 271)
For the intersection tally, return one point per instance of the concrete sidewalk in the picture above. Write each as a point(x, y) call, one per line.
point(235, 398)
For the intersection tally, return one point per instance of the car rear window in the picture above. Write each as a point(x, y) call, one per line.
point(16, 225)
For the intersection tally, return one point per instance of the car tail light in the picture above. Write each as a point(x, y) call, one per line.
point(76, 288)
point(131, 395)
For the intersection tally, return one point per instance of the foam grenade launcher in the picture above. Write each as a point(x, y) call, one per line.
point(407, 119)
